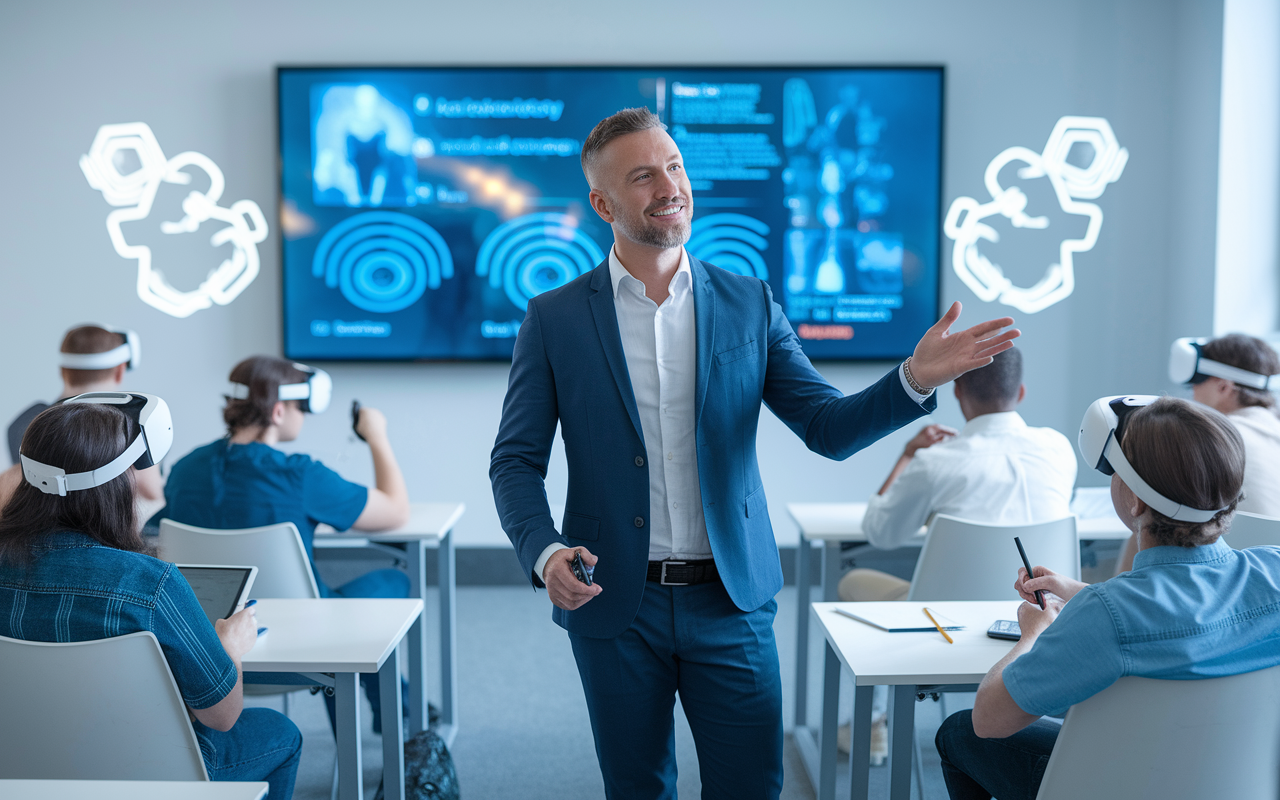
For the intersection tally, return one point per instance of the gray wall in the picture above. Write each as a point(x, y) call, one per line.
point(202, 77)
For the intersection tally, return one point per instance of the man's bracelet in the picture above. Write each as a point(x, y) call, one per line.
point(911, 381)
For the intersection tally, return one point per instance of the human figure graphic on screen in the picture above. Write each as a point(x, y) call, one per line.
point(654, 366)
point(363, 148)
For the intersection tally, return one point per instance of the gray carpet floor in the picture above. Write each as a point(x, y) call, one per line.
point(523, 729)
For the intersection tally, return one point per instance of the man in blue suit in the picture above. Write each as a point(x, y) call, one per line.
point(654, 365)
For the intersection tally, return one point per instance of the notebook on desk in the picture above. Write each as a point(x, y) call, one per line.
point(904, 618)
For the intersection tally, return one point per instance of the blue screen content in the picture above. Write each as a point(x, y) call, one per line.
point(422, 208)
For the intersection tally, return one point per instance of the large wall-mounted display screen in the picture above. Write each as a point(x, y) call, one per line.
point(422, 208)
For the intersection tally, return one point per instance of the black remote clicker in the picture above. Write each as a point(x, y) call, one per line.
point(580, 570)
point(355, 418)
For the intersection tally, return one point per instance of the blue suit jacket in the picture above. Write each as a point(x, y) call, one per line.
point(569, 368)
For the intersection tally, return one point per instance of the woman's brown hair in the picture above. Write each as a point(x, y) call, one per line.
point(1247, 353)
point(1192, 455)
point(263, 375)
point(76, 437)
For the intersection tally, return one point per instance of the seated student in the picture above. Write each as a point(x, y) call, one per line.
point(243, 481)
point(94, 359)
point(1191, 607)
point(997, 470)
point(1252, 411)
point(73, 568)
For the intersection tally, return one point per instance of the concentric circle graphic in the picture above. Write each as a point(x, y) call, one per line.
point(731, 241)
point(382, 261)
point(535, 253)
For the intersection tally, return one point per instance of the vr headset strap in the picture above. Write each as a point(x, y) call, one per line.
point(1227, 372)
point(1176, 511)
point(104, 360)
point(78, 481)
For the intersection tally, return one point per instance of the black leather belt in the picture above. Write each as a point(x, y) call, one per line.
point(683, 573)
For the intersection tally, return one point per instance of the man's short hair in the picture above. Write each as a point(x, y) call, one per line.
point(628, 120)
point(1247, 353)
point(995, 385)
point(84, 340)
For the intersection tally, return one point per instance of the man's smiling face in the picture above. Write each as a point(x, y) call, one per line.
point(646, 195)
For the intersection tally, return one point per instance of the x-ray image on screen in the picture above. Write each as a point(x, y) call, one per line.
point(423, 208)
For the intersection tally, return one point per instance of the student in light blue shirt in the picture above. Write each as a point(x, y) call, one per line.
point(1190, 608)
point(73, 568)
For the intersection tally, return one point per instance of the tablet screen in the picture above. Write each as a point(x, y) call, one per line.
point(217, 588)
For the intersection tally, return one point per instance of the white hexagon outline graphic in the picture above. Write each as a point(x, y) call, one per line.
point(135, 192)
point(1071, 184)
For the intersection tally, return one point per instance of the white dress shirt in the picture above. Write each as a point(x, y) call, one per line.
point(1260, 429)
point(997, 470)
point(660, 343)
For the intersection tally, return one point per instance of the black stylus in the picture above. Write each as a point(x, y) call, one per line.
point(1030, 574)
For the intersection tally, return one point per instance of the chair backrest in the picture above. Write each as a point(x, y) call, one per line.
point(1251, 530)
point(963, 560)
point(106, 709)
point(1145, 739)
point(276, 550)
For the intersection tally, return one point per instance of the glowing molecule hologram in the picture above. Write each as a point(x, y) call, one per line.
point(1071, 184)
point(731, 241)
point(382, 261)
point(135, 192)
point(535, 253)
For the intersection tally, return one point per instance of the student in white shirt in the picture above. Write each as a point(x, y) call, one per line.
point(1252, 412)
point(997, 470)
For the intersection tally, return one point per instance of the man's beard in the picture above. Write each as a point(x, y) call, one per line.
point(641, 231)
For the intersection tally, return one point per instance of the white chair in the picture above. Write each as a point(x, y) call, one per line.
point(106, 709)
point(1252, 530)
point(276, 550)
point(1145, 739)
point(963, 560)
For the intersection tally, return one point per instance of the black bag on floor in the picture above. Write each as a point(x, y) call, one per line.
point(428, 769)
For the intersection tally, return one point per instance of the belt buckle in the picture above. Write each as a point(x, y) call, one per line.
point(662, 579)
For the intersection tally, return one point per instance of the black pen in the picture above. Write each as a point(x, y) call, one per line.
point(1030, 574)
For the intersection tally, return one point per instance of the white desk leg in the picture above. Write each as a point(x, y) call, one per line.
point(830, 571)
point(448, 585)
point(802, 631)
point(392, 732)
point(902, 721)
point(830, 720)
point(860, 743)
point(416, 554)
point(346, 695)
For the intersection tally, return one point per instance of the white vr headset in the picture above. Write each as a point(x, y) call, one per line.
point(314, 394)
point(147, 448)
point(1100, 434)
point(129, 353)
point(1187, 366)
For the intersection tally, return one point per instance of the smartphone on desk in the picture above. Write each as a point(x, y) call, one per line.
point(1005, 629)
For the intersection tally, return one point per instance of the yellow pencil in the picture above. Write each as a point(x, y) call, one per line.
point(939, 627)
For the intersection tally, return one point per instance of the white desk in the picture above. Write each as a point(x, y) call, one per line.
point(835, 523)
point(330, 643)
point(907, 662)
point(131, 790)
point(430, 525)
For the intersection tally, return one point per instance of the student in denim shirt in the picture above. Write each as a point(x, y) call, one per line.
point(72, 568)
point(243, 481)
point(1190, 608)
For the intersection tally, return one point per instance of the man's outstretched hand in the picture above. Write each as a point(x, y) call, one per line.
point(942, 356)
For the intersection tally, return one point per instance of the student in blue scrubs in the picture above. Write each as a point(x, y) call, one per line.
point(243, 481)
point(73, 568)
point(1190, 608)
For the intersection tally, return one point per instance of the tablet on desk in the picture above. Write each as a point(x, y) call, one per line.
point(220, 590)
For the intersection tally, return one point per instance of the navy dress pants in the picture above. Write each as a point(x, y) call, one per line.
point(723, 662)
